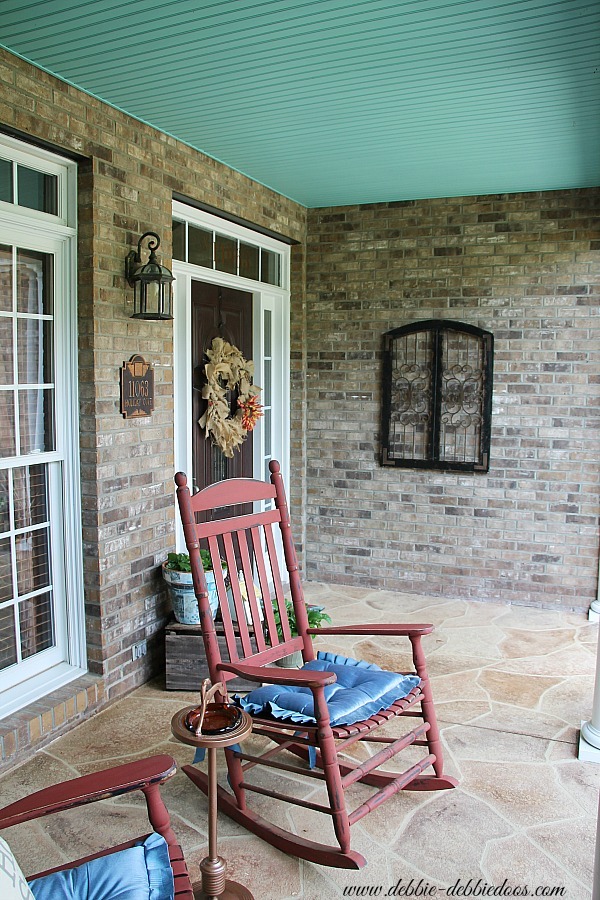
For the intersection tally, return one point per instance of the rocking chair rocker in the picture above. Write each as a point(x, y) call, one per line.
point(317, 712)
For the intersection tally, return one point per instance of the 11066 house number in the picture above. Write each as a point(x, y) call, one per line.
point(137, 388)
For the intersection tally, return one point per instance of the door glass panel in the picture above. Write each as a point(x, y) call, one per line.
point(34, 340)
point(6, 180)
point(225, 254)
point(5, 278)
point(200, 247)
point(267, 428)
point(266, 392)
point(7, 373)
point(37, 190)
point(8, 644)
point(249, 261)
point(34, 283)
point(36, 420)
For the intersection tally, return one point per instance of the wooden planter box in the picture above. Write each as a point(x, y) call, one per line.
point(186, 665)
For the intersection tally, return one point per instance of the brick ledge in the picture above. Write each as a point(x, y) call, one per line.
point(39, 723)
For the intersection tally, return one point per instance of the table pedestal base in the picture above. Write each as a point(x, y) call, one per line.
point(214, 883)
point(232, 891)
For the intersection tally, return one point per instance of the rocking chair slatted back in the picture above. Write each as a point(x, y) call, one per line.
point(255, 621)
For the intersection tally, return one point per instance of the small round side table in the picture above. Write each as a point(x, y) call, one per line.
point(213, 868)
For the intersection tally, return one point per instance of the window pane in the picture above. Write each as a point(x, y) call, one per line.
point(225, 254)
point(200, 249)
point(34, 342)
point(36, 190)
point(178, 240)
point(36, 420)
point(411, 391)
point(6, 290)
point(33, 561)
point(267, 431)
point(34, 283)
point(269, 270)
point(462, 392)
point(6, 585)
point(267, 333)
point(248, 261)
point(7, 374)
point(8, 644)
point(266, 388)
point(7, 424)
point(35, 619)
point(6, 181)
point(30, 496)
point(4, 502)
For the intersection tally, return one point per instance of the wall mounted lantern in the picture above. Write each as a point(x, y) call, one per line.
point(152, 283)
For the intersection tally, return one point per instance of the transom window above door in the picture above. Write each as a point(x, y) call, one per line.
point(215, 250)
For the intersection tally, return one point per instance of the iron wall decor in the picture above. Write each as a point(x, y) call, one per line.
point(137, 388)
point(437, 396)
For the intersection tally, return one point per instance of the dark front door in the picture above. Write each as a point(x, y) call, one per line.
point(227, 313)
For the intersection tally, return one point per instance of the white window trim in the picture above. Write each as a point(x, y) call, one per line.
point(265, 296)
point(56, 234)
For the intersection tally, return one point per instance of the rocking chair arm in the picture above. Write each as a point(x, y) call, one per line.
point(378, 630)
point(276, 675)
point(89, 788)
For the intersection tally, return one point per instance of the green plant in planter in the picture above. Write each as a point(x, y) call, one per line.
point(180, 562)
point(315, 614)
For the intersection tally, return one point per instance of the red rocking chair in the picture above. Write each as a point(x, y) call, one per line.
point(144, 775)
point(310, 712)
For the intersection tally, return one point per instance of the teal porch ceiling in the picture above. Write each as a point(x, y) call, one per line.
point(334, 102)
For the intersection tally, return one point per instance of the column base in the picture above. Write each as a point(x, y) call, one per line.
point(594, 611)
point(587, 752)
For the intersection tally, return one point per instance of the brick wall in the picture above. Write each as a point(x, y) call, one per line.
point(524, 266)
point(126, 181)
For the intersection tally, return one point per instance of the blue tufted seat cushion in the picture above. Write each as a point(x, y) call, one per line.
point(361, 690)
point(142, 872)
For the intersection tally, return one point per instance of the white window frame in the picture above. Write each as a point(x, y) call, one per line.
point(264, 297)
point(55, 234)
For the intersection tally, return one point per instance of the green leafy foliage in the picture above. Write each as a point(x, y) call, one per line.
point(180, 562)
point(315, 614)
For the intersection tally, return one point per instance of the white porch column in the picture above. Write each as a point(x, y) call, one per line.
point(589, 738)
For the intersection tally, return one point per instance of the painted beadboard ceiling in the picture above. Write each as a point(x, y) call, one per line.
point(334, 102)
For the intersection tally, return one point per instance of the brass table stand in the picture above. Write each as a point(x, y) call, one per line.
point(215, 727)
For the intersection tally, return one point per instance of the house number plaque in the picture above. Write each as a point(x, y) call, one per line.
point(137, 388)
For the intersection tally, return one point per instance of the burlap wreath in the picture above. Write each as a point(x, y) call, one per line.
point(227, 370)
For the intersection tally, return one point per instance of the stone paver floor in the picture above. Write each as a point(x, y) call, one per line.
point(511, 686)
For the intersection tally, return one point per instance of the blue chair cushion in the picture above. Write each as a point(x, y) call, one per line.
point(142, 872)
point(361, 690)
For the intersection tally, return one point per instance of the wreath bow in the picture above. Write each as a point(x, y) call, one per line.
point(227, 370)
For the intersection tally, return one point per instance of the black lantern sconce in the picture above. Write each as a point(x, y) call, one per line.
point(152, 283)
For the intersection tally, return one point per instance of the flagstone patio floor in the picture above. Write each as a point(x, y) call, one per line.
point(511, 686)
